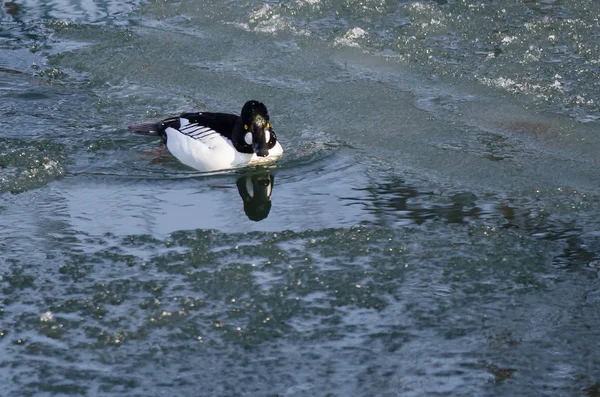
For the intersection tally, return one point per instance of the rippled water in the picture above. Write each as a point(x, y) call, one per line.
point(432, 228)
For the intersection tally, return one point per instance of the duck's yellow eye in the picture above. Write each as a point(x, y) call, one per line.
point(268, 125)
point(246, 127)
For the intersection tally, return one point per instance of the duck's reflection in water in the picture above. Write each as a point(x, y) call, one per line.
point(255, 189)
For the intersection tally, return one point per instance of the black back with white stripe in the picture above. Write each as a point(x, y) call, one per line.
point(254, 119)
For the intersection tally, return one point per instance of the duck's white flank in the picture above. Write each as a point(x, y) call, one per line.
point(212, 151)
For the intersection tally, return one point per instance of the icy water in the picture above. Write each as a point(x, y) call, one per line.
point(432, 229)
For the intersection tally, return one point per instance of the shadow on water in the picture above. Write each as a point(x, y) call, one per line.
point(394, 203)
point(409, 205)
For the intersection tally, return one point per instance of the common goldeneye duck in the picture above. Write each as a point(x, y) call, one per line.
point(216, 141)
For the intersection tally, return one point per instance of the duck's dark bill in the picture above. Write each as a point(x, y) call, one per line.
point(261, 149)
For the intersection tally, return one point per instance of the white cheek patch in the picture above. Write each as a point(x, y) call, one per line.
point(248, 138)
point(267, 136)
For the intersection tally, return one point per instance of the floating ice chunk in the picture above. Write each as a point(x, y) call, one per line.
point(47, 317)
point(350, 36)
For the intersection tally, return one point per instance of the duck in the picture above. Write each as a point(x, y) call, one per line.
point(208, 141)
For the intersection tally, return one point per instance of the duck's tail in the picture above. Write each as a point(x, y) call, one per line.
point(155, 129)
point(145, 128)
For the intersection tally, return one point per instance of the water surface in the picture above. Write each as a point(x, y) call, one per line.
point(432, 228)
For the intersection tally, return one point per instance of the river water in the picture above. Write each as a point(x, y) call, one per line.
point(432, 228)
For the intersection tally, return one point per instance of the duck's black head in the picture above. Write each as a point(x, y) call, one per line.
point(257, 128)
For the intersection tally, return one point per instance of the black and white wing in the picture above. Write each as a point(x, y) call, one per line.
point(221, 123)
point(195, 130)
point(199, 126)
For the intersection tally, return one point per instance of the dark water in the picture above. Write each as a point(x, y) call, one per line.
point(432, 228)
